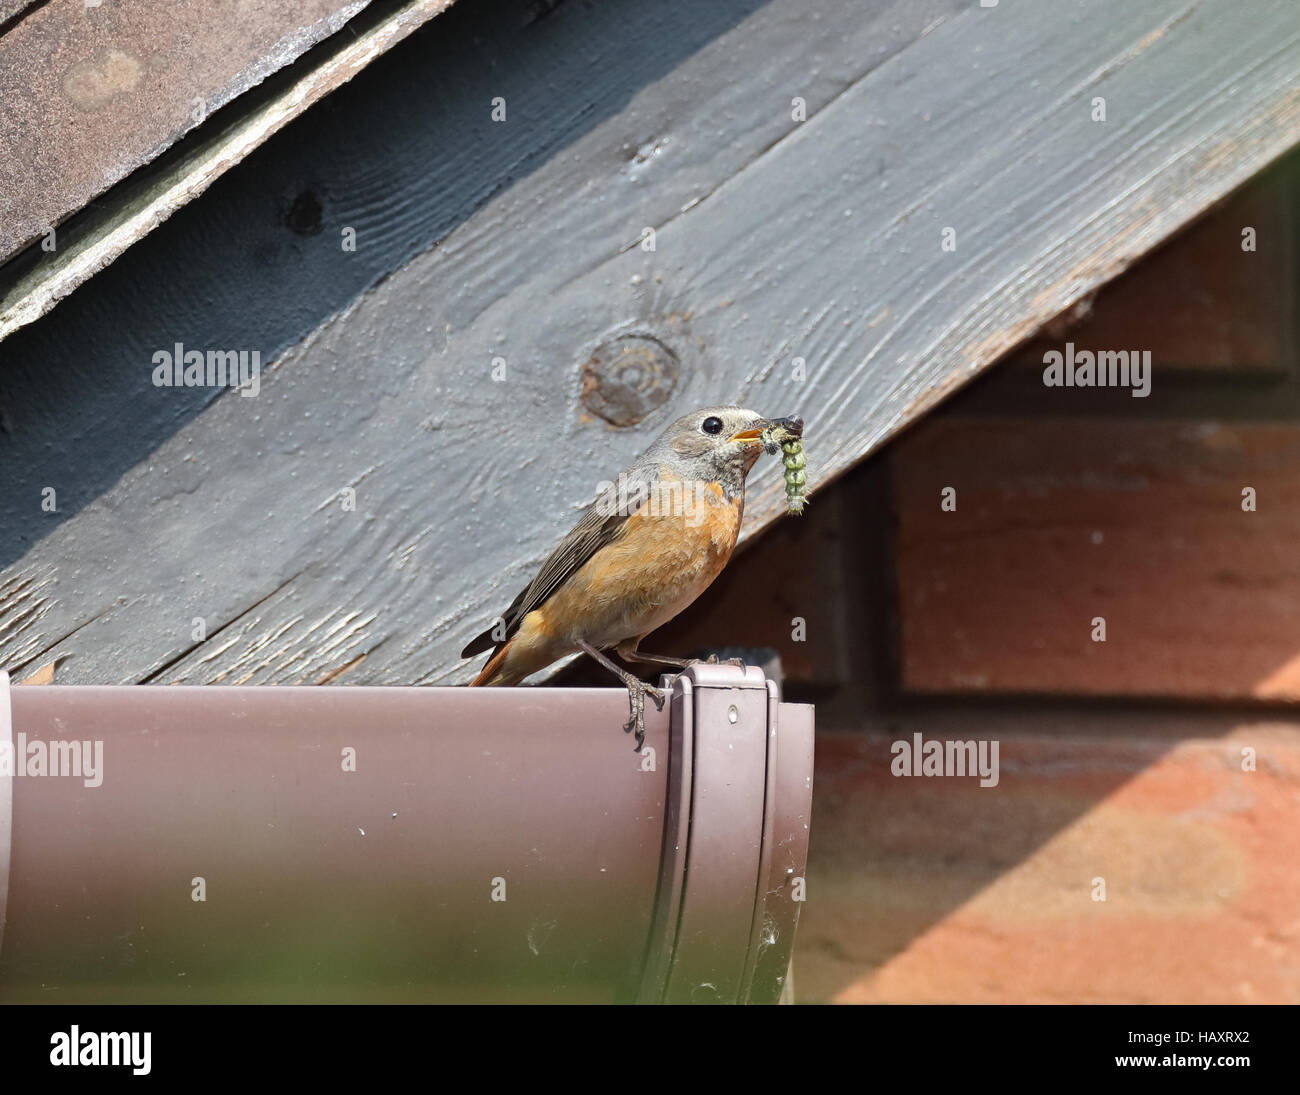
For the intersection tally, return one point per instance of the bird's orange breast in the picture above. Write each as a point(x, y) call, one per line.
point(673, 547)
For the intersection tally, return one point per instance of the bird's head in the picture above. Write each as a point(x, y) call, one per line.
point(719, 444)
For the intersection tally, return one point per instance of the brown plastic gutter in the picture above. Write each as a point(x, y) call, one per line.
point(489, 845)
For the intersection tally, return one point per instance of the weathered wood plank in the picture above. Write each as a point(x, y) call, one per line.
point(357, 175)
point(10, 8)
point(403, 155)
point(820, 241)
point(36, 280)
point(91, 92)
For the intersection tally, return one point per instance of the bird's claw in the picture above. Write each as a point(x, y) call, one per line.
point(636, 694)
point(712, 659)
point(638, 690)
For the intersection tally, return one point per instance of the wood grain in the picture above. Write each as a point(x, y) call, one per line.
point(35, 281)
point(91, 92)
point(775, 239)
point(11, 8)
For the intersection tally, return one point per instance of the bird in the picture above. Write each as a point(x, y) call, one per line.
point(652, 541)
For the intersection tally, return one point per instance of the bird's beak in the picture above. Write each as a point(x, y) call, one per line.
point(793, 424)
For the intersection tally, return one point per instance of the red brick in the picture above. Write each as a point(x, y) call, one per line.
point(934, 890)
point(1140, 523)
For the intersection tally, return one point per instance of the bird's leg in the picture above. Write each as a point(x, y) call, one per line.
point(637, 690)
point(628, 651)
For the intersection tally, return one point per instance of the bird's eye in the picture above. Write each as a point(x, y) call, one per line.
point(711, 425)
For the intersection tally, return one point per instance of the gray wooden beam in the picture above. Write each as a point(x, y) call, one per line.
point(774, 240)
point(62, 152)
point(92, 91)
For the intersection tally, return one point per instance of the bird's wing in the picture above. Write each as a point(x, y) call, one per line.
point(601, 523)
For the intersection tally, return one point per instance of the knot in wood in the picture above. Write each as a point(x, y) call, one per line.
point(628, 377)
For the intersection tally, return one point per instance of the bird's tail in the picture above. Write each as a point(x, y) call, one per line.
point(495, 673)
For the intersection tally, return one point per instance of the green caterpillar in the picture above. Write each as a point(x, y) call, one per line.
point(796, 478)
